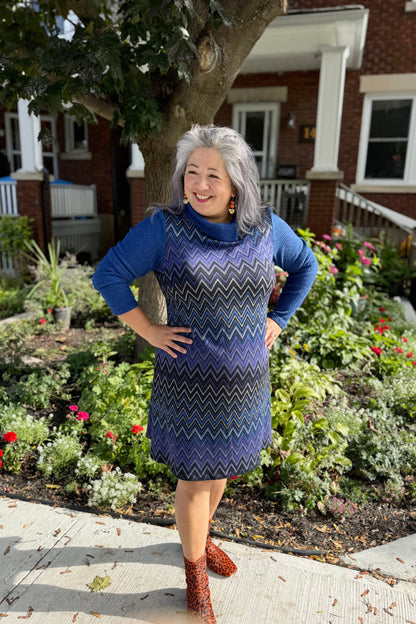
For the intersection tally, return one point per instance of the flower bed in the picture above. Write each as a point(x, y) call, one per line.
point(342, 383)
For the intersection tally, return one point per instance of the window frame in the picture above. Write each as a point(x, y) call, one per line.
point(409, 177)
point(273, 131)
point(72, 152)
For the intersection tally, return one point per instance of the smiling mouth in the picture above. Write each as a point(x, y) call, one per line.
point(202, 198)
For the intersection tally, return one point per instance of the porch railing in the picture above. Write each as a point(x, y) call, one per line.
point(72, 201)
point(288, 198)
point(369, 219)
point(8, 198)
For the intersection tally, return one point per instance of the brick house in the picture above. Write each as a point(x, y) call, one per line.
point(327, 96)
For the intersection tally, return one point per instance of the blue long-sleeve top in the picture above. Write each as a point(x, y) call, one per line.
point(143, 248)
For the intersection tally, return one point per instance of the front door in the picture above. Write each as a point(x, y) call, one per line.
point(259, 123)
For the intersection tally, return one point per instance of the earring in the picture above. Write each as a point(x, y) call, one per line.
point(185, 199)
point(231, 207)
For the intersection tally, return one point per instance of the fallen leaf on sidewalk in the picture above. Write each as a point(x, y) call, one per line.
point(97, 615)
point(99, 583)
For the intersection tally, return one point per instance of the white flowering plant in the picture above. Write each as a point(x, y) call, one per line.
point(114, 489)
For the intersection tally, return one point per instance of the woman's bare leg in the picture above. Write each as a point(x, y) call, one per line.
point(217, 490)
point(192, 508)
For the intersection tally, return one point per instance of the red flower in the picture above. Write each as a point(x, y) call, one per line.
point(1, 463)
point(82, 416)
point(377, 350)
point(382, 320)
point(10, 436)
point(404, 339)
point(398, 349)
point(382, 309)
point(109, 434)
point(410, 354)
point(236, 477)
point(42, 321)
point(49, 310)
point(1, 453)
point(386, 326)
point(136, 428)
point(414, 362)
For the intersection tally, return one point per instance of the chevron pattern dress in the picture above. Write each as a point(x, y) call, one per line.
point(209, 415)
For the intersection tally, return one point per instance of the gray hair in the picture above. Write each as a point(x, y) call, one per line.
point(240, 164)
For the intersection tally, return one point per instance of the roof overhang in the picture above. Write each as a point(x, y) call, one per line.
point(295, 42)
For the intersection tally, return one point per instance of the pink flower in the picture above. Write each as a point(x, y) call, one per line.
point(326, 237)
point(369, 245)
point(136, 428)
point(10, 436)
point(73, 408)
point(361, 252)
point(333, 269)
point(410, 354)
point(338, 246)
point(82, 416)
point(42, 321)
point(366, 261)
point(377, 350)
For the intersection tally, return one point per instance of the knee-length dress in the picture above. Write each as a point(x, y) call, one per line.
point(209, 415)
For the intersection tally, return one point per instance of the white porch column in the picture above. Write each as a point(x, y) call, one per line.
point(29, 128)
point(330, 101)
point(136, 169)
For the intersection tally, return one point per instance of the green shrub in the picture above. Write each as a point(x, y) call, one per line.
point(30, 432)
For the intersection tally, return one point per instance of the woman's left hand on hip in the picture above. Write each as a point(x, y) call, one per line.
point(272, 332)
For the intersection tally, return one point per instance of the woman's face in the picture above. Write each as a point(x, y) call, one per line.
point(207, 185)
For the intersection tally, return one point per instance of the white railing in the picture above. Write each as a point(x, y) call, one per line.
point(69, 201)
point(288, 198)
point(369, 219)
point(8, 198)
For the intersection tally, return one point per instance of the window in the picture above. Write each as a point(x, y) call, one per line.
point(258, 123)
point(76, 139)
point(13, 144)
point(388, 143)
point(13, 149)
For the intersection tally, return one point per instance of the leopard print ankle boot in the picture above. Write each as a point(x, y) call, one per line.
point(217, 560)
point(198, 598)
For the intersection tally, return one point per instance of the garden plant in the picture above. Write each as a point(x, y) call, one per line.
point(343, 381)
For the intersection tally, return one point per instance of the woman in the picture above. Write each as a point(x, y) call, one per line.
point(213, 249)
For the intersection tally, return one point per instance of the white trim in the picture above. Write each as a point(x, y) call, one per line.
point(409, 177)
point(270, 132)
point(410, 6)
point(388, 83)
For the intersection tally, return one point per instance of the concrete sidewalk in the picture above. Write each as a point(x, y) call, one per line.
point(49, 556)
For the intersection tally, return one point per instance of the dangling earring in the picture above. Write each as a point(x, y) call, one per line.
point(231, 207)
point(185, 199)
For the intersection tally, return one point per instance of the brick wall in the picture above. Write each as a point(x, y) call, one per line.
point(29, 200)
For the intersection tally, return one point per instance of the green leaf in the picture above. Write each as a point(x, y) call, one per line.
point(99, 583)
